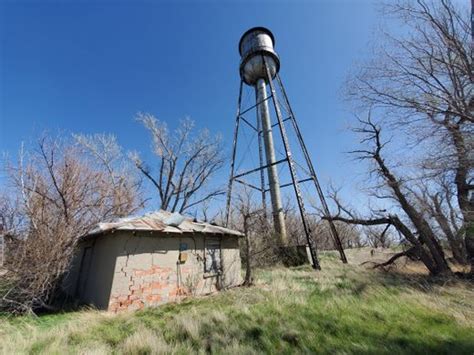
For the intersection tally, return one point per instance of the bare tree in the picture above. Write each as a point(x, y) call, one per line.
point(250, 218)
point(422, 83)
point(438, 205)
point(379, 236)
point(10, 219)
point(349, 235)
point(10, 222)
point(104, 151)
point(60, 197)
point(416, 228)
point(186, 164)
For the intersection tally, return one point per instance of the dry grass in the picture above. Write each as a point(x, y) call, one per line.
point(342, 309)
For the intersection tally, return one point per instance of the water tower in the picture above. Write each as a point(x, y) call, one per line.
point(259, 68)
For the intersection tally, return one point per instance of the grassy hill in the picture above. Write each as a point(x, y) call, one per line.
point(342, 309)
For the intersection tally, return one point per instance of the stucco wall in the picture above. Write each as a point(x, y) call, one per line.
point(131, 271)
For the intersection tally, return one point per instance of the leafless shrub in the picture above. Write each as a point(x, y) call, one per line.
point(260, 246)
point(60, 195)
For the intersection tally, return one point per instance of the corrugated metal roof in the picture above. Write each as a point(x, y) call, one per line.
point(165, 222)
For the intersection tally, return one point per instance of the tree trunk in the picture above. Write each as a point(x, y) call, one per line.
point(425, 257)
point(466, 204)
point(458, 251)
point(469, 230)
point(454, 239)
point(248, 267)
point(426, 234)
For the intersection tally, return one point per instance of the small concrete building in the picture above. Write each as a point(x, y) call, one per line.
point(153, 259)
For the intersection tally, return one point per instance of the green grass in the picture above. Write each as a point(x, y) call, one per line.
point(342, 309)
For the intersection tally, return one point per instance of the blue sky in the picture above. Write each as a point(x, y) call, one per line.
point(90, 66)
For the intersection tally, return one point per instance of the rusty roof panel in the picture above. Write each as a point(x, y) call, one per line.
point(156, 221)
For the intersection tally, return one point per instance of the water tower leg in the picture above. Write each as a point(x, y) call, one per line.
point(278, 217)
point(286, 145)
point(327, 213)
point(234, 150)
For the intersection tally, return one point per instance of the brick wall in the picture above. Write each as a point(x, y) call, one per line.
point(150, 287)
point(150, 279)
point(129, 271)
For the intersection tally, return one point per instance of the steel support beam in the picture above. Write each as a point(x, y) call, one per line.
point(248, 123)
point(334, 232)
point(286, 145)
point(256, 105)
point(276, 124)
point(290, 183)
point(234, 150)
point(259, 168)
point(247, 184)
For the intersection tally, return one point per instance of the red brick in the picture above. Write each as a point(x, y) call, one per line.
point(138, 304)
point(122, 298)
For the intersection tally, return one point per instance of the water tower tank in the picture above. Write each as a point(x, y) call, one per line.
point(254, 44)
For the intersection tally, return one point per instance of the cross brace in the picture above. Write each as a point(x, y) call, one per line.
point(258, 169)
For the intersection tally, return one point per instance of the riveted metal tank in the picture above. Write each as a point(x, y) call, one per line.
point(254, 44)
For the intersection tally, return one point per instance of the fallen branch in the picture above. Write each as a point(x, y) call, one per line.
point(411, 253)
